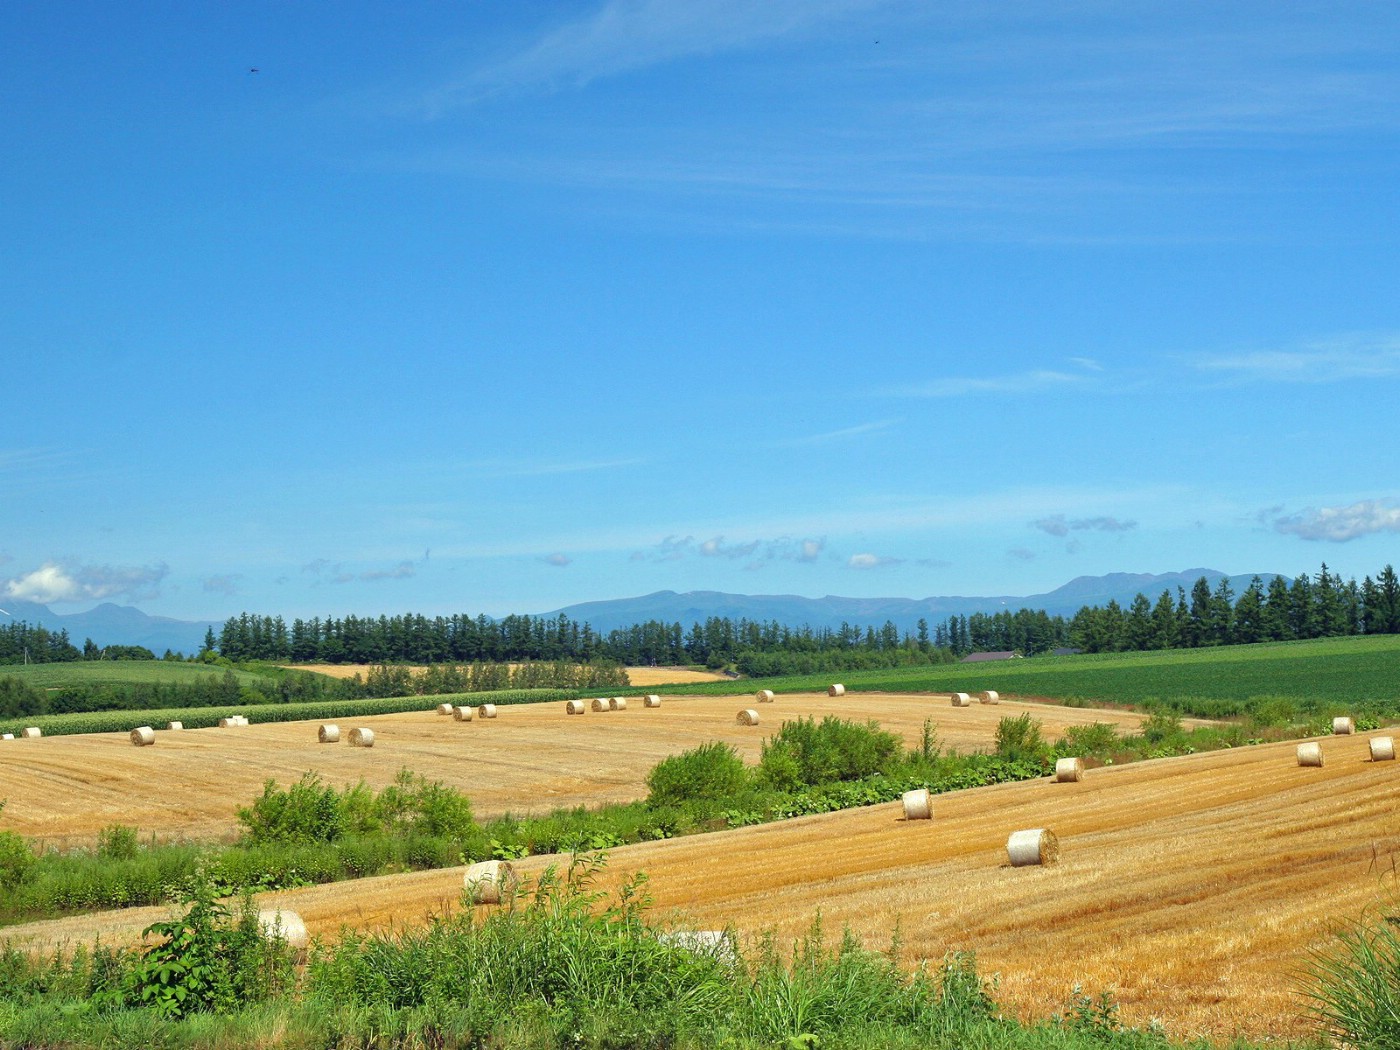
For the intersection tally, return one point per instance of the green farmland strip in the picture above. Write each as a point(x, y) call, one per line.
point(203, 717)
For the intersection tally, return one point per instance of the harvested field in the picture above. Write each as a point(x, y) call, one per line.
point(637, 676)
point(534, 757)
point(1190, 888)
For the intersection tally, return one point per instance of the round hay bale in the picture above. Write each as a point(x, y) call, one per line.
point(1310, 754)
point(463, 714)
point(1382, 749)
point(764, 696)
point(1036, 846)
point(487, 710)
point(918, 805)
point(1069, 770)
point(651, 700)
point(715, 943)
point(488, 881)
point(575, 707)
point(229, 722)
point(143, 736)
point(602, 704)
point(836, 690)
point(329, 734)
point(7, 736)
point(362, 737)
point(618, 703)
point(284, 924)
point(175, 725)
point(445, 709)
point(747, 717)
point(989, 696)
point(32, 733)
point(1343, 726)
point(961, 700)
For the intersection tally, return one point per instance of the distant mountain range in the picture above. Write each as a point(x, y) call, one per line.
point(833, 610)
point(110, 624)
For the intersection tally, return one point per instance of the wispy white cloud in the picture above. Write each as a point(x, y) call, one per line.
point(501, 469)
point(1030, 382)
point(1059, 525)
point(322, 570)
point(866, 560)
point(844, 434)
point(782, 548)
point(627, 35)
point(226, 585)
point(1340, 524)
point(1348, 357)
point(557, 559)
point(58, 582)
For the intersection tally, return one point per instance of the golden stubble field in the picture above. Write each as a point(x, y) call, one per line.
point(1190, 888)
point(531, 758)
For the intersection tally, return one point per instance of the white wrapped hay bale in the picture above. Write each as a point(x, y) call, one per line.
point(602, 703)
point(1382, 749)
point(989, 696)
point(1343, 726)
point(651, 700)
point(618, 703)
point(1310, 754)
point(143, 736)
point(175, 725)
point(961, 700)
point(445, 709)
point(463, 714)
point(362, 737)
point(7, 736)
point(487, 710)
point(714, 943)
point(764, 696)
point(287, 925)
point(489, 881)
point(1036, 846)
point(229, 722)
point(836, 690)
point(329, 734)
point(747, 717)
point(918, 804)
point(1069, 770)
point(575, 707)
point(32, 733)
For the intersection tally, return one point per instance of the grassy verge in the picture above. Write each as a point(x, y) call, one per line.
point(560, 965)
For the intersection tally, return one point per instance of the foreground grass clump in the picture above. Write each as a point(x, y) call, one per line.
point(560, 965)
point(1356, 984)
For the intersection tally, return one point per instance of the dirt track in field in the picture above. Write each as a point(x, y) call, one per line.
point(1190, 888)
point(531, 758)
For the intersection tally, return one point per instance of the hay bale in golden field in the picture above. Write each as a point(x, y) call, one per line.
point(488, 881)
point(1035, 846)
point(918, 804)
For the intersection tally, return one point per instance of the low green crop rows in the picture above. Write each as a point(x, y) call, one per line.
point(203, 717)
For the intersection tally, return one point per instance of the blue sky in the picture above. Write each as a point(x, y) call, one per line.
point(498, 307)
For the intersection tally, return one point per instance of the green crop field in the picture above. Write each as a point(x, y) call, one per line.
point(120, 672)
point(1311, 677)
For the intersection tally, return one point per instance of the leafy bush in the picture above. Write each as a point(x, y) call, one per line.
point(805, 752)
point(1019, 739)
point(710, 772)
point(118, 842)
point(16, 860)
point(307, 811)
point(1100, 738)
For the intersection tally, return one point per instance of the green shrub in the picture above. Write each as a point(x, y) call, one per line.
point(1356, 985)
point(1100, 738)
point(1019, 739)
point(16, 860)
point(307, 811)
point(117, 842)
point(710, 772)
point(805, 752)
